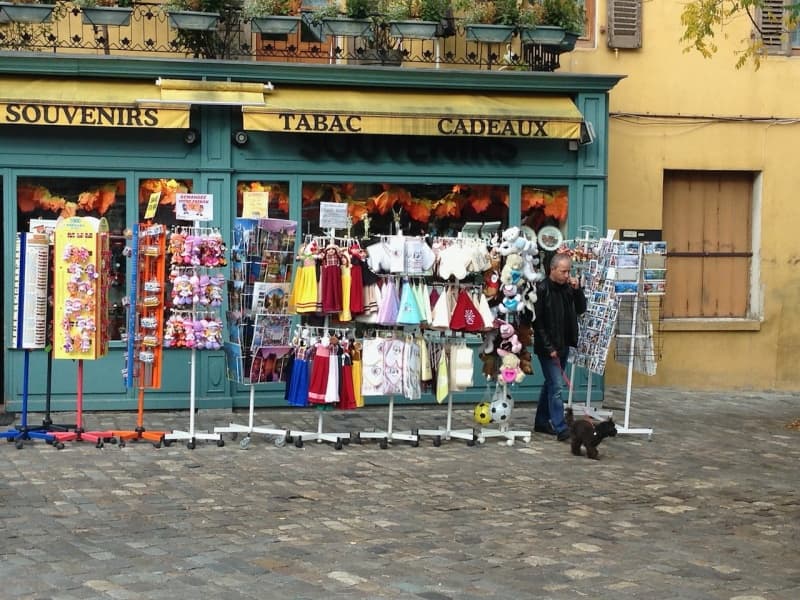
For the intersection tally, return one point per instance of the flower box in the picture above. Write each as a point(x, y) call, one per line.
point(275, 25)
point(490, 34)
point(27, 13)
point(419, 30)
point(347, 27)
point(196, 21)
point(107, 15)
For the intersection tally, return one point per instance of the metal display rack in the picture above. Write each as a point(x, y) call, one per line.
point(262, 253)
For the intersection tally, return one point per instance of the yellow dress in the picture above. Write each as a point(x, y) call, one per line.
point(303, 298)
point(355, 357)
point(346, 315)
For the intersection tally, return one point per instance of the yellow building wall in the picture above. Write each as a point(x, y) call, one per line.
point(663, 80)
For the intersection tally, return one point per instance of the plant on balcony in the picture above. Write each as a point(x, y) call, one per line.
point(220, 36)
point(490, 21)
point(104, 12)
point(272, 16)
point(423, 19)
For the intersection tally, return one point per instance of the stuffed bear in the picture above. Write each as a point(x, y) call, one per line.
point(509, 342)
point(514, 242)
point(491, 276)
point(512, 269)
point(489, 361)
point(510, 370)
point(526, 361)
point(512, 300)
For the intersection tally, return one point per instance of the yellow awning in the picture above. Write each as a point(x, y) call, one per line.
point(405, 113)
point(87, 103)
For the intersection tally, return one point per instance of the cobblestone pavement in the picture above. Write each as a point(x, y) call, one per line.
point(709, 508)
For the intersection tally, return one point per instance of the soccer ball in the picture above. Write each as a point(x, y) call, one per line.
point(500, 411)
point(482, 413)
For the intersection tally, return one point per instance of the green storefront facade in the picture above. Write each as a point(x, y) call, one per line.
point(219, 162)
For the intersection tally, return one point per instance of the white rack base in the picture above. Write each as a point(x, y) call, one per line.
point(447, 433)
point(510, 435)
point(250, 429)
point(300, 437)
point(387, 437)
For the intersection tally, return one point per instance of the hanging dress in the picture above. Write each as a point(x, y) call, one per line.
point(303, 298)
point(387, 311)
point(298, 384)
point(320, 367)
point(408, 312)
point(412, 388)
point(356, 281)
point(346, 269)
point(332, 385)
point(355, 358)
point(331, 281)
point(347, 396)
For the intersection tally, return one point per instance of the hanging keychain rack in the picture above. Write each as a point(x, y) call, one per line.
point(191, 435)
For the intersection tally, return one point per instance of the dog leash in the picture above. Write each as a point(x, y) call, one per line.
point(563, 374)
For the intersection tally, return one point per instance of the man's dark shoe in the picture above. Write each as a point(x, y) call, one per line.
point(563, 436)
point(548, 429)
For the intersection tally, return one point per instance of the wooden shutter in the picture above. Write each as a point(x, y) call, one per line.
point(624, 23)
point(773, 28)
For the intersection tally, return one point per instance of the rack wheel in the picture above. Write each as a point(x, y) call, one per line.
point(510, 442)
point(244, 443)
point(355, 437)
point(346, 441)
point(437, 441)
point(384, 443)
point(111, 440)
point(234, 435)
point(220, 443)
point(338, 445)
point(59, 445)
point(18, 444)
point(470, 443)
point(415, 443)
point(121, 443)
point(190, 444)
point(298, 442)
point(156, 444)
point(99, 444)
point(51, 442)
point(167, 443)
point(10, 440)
point(288, 436)
point(527, 439)
point(280, 441)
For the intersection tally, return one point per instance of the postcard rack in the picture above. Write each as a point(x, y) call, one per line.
point(257, 348)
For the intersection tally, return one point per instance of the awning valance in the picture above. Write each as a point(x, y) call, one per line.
point(87, 103)
point(406, 113)
point(229, 93)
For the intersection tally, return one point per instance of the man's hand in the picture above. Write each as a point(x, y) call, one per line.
point(573, 282)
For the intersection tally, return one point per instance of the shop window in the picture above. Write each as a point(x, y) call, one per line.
point(709, 227)
point(42, 200)
point(545, 207)
point(167, 190)
point(433, 209)
point(278, 197)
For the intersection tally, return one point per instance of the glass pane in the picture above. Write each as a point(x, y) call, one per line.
point(542, 207)
point(434, 209)
point(167, 188)
point(278, 199)
point(48, 198)
point(794, 38)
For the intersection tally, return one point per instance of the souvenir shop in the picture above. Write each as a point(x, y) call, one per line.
point(408, 179)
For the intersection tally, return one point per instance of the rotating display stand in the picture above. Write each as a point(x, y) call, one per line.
point(80, 293)
point(29, 329)
point(257, 346)
point(145, 325)
point(194, 323)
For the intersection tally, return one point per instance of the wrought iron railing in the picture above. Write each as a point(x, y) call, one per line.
point(149, 32)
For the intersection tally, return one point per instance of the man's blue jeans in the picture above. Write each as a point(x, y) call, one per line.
point(550, 409)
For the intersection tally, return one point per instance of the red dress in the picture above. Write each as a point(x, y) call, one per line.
point(347, 393)
point(356, 285)
point(331, 281)
point(320, 365)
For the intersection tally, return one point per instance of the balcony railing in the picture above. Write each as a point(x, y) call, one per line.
point(149, 32)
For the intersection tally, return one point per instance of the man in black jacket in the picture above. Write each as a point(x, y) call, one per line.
point(559, 303)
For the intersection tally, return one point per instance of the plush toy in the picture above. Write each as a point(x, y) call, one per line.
point(489, 361)
point(509, 342)
point(512, 300)
point(530, 269)
point(525, 361)
point(510, 370)
point(512, 269)
point(525, 334)
point(514, 242)
point(491, 276)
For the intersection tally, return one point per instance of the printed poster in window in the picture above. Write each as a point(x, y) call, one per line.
point(255, 205)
